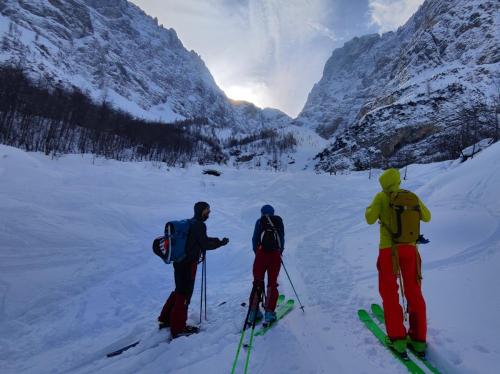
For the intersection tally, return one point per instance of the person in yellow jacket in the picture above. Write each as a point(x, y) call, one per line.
point(409, 267)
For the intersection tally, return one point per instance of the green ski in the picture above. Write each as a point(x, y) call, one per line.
point(378, 312)
point(382, 337)
point(281, 311)
point(281, 298)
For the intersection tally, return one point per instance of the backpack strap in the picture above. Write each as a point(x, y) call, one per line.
point(419, 267)
point(169, 236)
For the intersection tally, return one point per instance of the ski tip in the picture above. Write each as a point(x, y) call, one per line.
point(376, 307)
point(363, 315)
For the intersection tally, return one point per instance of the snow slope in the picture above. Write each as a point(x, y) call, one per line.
point(78, 278)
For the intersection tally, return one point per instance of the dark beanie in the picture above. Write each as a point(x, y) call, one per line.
point(199, 207)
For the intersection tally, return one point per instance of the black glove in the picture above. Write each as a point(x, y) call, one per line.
point(224, 241)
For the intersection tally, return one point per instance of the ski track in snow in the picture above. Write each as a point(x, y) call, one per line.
point(78, 279)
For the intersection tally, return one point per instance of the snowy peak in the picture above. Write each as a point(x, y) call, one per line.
point(405, 84)
point(113, 50)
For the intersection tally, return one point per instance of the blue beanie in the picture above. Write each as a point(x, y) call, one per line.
point(267, 210)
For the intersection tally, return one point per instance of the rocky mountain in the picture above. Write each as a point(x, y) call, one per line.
point(414, 95)
point(115, 52)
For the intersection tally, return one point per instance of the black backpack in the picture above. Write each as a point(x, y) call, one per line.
point(269, 236)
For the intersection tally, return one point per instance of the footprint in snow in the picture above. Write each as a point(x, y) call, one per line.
point(480, 348)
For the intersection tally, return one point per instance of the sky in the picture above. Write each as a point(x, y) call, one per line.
point(272, 52)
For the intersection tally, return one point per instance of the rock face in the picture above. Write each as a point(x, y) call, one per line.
point(114, 51)
point(403, 95)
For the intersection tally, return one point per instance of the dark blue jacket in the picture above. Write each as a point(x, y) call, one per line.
point(257, 231)
point(198, 241)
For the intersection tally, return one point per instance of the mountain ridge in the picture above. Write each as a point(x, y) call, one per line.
point(116, 52)
point(383, 97)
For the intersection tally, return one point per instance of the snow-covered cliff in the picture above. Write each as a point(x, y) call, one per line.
point(399, 94)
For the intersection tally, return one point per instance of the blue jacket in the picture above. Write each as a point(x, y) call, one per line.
point(257, 231)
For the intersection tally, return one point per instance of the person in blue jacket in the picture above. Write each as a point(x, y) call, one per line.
point(268, 242)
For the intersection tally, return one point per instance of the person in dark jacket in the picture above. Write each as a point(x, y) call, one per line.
point(268, 242)
point(174, 312)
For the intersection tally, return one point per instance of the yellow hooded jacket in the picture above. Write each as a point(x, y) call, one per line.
point(379, 208)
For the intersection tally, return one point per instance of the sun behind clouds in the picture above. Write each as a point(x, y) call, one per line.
point(255, 93)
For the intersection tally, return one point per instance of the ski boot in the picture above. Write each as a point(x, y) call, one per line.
point(269, 317)
point(399, 347)
point(254, 315)
point(417, 347)
point(188, 330)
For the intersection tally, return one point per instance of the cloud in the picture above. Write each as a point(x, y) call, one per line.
point(390, 14)
point(324, 30)
point(270, 52)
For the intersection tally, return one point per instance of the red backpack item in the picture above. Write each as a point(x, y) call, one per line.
point(160, 248)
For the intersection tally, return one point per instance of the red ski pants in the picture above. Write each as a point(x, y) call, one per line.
point(175, 310)
point(269, 262)
point(409, 262)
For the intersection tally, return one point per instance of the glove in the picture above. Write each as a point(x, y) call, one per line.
point(422, 240)
point(224, 241)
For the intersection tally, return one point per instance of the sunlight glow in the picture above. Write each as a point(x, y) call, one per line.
point(255, 93)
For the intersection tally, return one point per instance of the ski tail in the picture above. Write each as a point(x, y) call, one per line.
point(123, 349)
point(384, 340)
point(378, 312)
point(242, 336)
point(281, 311)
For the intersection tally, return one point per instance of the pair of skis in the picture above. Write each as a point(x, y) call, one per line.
point(370, 323)
point(282, 309)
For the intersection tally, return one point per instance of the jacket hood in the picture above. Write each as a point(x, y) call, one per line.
point(267, 210)
point(199, 207)
point(390, 180)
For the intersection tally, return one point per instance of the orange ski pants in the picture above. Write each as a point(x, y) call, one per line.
point(409, 262)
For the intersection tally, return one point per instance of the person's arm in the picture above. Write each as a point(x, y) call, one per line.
point(372, 213)
point(425, 214)
point(255, 236)
point(207, 243)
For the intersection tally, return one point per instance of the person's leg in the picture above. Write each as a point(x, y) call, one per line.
point(257, 287)
point(178, 316)
point(164, 317)
point(413, 292)
point(273, 270)
point(388, 288)
point(192, 280)
point(259, 269)
point(183, 280)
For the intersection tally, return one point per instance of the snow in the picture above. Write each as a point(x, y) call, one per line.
point(78, 278)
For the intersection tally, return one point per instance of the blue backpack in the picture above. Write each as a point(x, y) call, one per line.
point(172, 246)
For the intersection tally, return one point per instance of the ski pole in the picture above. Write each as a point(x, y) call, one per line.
point(284, 267)
point(260, 291)
point(252, 295)
point(201, 287)
point(252, 332)
point(205, 283)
